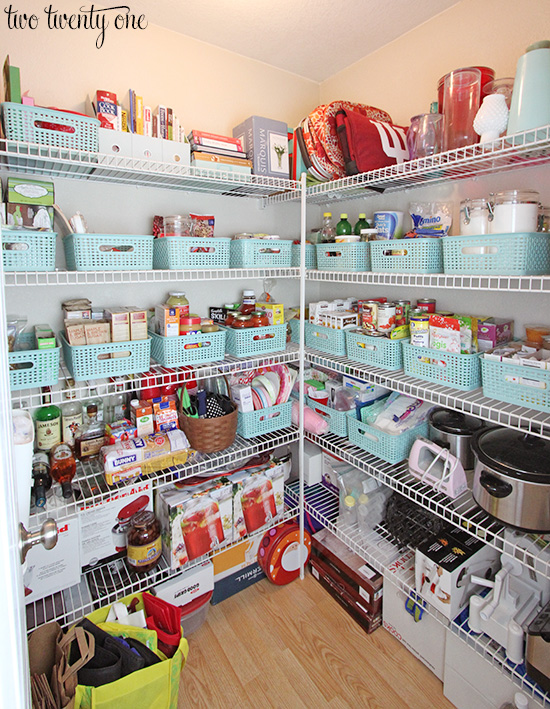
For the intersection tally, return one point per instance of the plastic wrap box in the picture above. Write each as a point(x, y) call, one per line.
point(265, 142)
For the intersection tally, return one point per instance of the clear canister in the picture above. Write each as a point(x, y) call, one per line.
point(544, 219)
point(475, 217)
point(177, 225)
point(514, 211)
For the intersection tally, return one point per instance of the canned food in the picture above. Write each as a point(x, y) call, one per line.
point(386, 317)
point(426, 304)
point(402, 308)
point(369, 316)
point(420, 330)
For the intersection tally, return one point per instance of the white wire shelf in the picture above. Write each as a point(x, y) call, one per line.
point(110, 581)
point(83, 165)
point(518, 284)
point(521, 150)
point(382, 554)
point(532, 550)
point(91, 488)
point(70, 278)
point(30, 398)
point(470, 402)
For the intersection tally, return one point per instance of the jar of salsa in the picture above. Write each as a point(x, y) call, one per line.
point(144, 542)
point(241, 321)
point(259, 318)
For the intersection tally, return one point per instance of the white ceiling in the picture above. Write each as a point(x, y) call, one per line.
point(312, 38)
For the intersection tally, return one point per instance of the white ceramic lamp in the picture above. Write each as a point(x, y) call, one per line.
point(492, 118)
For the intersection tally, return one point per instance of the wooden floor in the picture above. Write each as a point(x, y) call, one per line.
point(293, 647)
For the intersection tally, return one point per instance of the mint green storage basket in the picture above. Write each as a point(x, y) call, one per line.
point(255, 340)
point(392, 449)
point(181, 252)
point(109, 252)
point(28, 250)
point(459, 371)
point(378, 351)
point(295, 330)
point(40, 368)
point(83, 360)
point(187, 349)
point(522, 254)
point(256, 423)
point(407, 256)
point(343, 257)
point(516, 384)
point(325, 339)
point(311, 256)
point(260, 253)
point(338, 420)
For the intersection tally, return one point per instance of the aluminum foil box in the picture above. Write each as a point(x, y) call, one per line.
point(265, 142)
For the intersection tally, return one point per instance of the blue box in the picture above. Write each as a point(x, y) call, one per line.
point(230, 585)
point(265, 142)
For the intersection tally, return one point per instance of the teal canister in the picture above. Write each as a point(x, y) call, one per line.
point(530, 107)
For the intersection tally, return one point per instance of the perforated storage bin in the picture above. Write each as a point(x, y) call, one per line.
point(260, 253)
point(459, 371)
point(171, 252)
point(295, 330)
point(378, 351)
point(407, 256)
point(392, 449)
point(109, 252)
point(33, 124)
point(187, 349)
point(255, 340)
point(338, 420)
point(522, 254)
point(325, 339)
point(26, 250)
point(311, 256)
point(343, 257)
point(273, 418)
point(40, 368)
point(516, 384)
point(83, 361)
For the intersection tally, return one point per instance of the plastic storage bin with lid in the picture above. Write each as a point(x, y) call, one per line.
point(194, 613)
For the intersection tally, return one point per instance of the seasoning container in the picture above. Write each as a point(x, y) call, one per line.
point(208, 325)
point(144, 542)
point(514, 211)
point(420, 329)
point(475, 217)
point(386, 317)
point(426, 304)
point(259, 318)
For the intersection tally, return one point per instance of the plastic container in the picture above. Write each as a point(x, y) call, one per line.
point(43, 369)
point(83, 361)
point(174, 252)
point(24, 250)
point(325, 339)
point(407, 256)
point(392, 449)
point(378, 351)
point(516, 384)
point(311, 256)
point(459, 371)
point(109, 252)
point(187, 349)
point(194, 613)
point(255, 340)
point(343, 257)
point(338, 420)
point(260, 253)
point(272, 418)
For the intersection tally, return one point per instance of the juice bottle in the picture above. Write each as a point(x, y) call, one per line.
point(343, 228)
point(360, 224)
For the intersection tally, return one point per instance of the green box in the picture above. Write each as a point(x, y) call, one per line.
point(24, 191)
point(29, 216)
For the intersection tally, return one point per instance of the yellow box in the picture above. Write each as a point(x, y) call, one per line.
point(236, 558)
point(275, 312)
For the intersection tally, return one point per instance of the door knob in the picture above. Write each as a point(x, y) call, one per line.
point(46, 535)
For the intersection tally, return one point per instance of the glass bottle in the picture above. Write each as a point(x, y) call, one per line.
point(328, 232)
point(178, 300)
point(343, 228)
point(116, 403)
point(90, 438)
point(63, 467)
point(48, 423)
point(248, 303)
point(144, 542)
point(71, 413)
point(93, 407)
point(42, 481)
point(360, 224)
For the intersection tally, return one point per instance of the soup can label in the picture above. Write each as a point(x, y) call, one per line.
point(369, 316)
point(386, 317)
point(426, 304)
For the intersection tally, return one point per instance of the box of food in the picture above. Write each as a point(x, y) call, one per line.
point(275, 312)
point(494, 332)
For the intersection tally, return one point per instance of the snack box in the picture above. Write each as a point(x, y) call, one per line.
point(275, 312)
point(493, 332)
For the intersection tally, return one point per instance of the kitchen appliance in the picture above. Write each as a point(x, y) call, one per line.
point(454, 430)
point(512, 477)
point(537, 653)
point(436, 466)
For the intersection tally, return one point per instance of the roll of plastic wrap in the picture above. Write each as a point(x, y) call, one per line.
point(279, 552)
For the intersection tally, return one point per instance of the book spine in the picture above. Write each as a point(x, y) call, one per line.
point(215, 140)
point(176, 129)
point(123, 120)
point(139, 115)
point(221, 159)
point(147, 121)
point(162, 127)
point(169, 123)
point(131, 111)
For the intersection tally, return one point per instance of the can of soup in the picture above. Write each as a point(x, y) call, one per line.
point(369, 317)
point(386, 317)
point(426, 304)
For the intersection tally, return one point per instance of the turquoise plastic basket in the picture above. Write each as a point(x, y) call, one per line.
point(33, 124)
point(83, 361)
point(24, 250)
point(338, 420)
point(343, 257)
point(459, 371)
point(41, 368)
point(378, 351)
point(260, 253)
point(187, 349)
point(295, 330)
point(255, 340)
point(516, 384)
point(130, 252)
point(256, 423)
point(407, 256)
point(392, 449)
point(524, 254)
point(180, 252)
point(325, 339)
point(311, 256)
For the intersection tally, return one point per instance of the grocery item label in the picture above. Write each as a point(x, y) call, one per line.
point(70, 424)
point(48, 434)
point(91, 447)
point(144, 555)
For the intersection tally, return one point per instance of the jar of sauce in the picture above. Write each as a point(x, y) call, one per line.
point(259, 318)
point(249, 302)
point(144, 542)
point(178, 300)
point(241, 321)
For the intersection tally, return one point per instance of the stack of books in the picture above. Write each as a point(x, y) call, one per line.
point(218, 152)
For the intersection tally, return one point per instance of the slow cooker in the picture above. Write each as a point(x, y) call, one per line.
point(512, 477)
point(454, 430)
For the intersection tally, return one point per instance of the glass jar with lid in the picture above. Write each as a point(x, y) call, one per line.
point(475, 217)
point(144, 542)
point(514, 211)
point(177, 225)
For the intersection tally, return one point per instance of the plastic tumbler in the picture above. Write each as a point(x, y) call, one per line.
point(461, 97)
point(429, 135)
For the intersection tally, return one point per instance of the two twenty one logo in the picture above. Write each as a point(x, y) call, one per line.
point(393, 140)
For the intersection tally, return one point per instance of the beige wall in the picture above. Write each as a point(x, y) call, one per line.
point(210, 89)
point(402, 76)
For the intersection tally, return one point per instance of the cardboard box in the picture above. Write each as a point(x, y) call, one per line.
point(142, 418)
point(165, 416)
point(236, 558)
point(97, 332)
point(45, 337)
point(138, 323)
point(30, 216)
point(77, 309)
point(494, 332)
point(76, 335)
point(187, 585)
point(168, 320)
point(232, 584)
point(119, 319)
point(265, 142)
point(50, 571)
point(242, 396)
point(258, 499)
point(22, 190)
point(275, 312)
point(102, 535)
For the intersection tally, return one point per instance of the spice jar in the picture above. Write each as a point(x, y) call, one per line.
point(259, 318)
point(144, 542)
point(474, 217)
point(514, 211)
point(241, 321)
